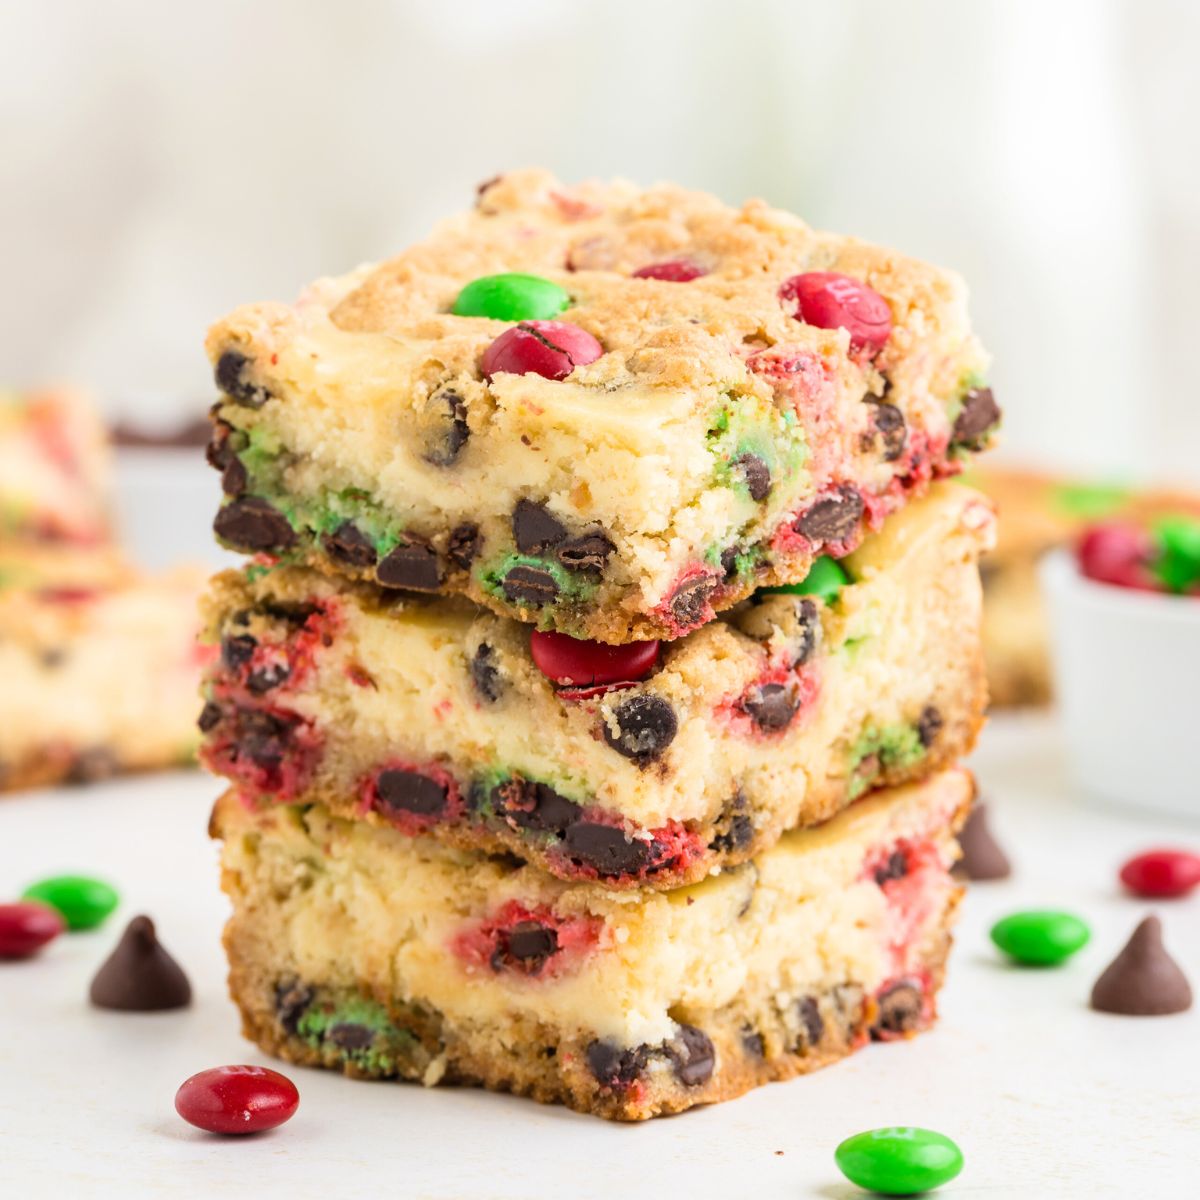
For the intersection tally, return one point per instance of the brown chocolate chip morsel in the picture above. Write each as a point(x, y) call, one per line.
point(736, 829)
point(251, 523)
point(693, 1055)
point(237, 650)
point(812, 1024)
point(350, 1035)
point(535, 806)
point(607, 849)
point(614, 1067)
point(413, 565)
point(688, 604)
point(978, 414)
point(292, 1001)
point(982, 856)
point(890, 429)
point(218, 451)
point(894, 867)
point(452, 431)
point(586, 555)
point(753, 1044)
point(234, 479)
point(348, 545)
point(210, 717)
point(232, 376)
point(900, 1008)
point(399, 791)
point(267, 678)
point(485, 674)
point(464, 545)
point(526, 947)
point(534, 528)
point(833, 518)
point(929, 725)
point(533, 587)
point(772, 706)
point(1143, 980)
point(139, 975)
point(755, 473)
point(646, 726)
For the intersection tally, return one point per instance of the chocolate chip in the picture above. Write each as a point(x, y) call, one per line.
point(210, 717)
point(834, 518)
point(91, 766)
point(689, 601)
point(139, 975)
point(812, 1024)
point(292, 1001)
point(646, 726)
point(218, 451)
point(269, 677)
point(413, 564)
point(453, 432)
point(231, 376)
point(237, 650)
point(485, 674)
point(614, 1067)
point(263, 737)
point(693, 1055)
point(982, 857)
point(808, 630)
point(890, 429)
point(535, 806)
point(348, 545)
point(978, 414)
point(350, 1035)
point(929, 725)
point(756, 474)
point(398, 790)
point(895, 867)
point(525, 947)
point(534, 529)
point(900, 1008)
point(529, 586)
point(234, 479)
point(586, 555)
point(252, 524)
point(607, 849)
point(729, 563)
point(464, 545)
point(1143, 980)
point(753, 1044)
point(736, 836)
point(771, 706)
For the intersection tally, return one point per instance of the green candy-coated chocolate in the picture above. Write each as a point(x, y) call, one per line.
point(511, 297)
point(825, 579)
point(899, 1162)
point(1178, 562)
point(84, 903)
point(1040, 937)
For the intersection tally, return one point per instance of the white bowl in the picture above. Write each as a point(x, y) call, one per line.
point(1127, 674)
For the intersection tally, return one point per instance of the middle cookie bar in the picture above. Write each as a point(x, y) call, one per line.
point(432, 716)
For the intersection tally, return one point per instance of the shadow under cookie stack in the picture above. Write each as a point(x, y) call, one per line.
point(592, 699)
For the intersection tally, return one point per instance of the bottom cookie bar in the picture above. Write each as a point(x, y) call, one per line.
point(385, 956)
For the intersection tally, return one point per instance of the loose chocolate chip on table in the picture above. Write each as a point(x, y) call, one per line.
point(463, 546)
point(484, 673)
point(891, 429)
point(237, 650)
point(210, 717)
point(529, 586)
point(251, 523)
point(536, 806)
point(1143, 980)
point(588, 555)
point(231, 379)
point(834, 518)
point(982, 857)
point(453, 431)
point(693, 1055)
point(292, 1001)
point(689, 601)
point(977, 415)
point(349, 1035)
point(929, 725)
point(646, 726)
point(606, 848)
point(755, 473)
point(614, 1067)
point(812, 1024)
point(899, 1010)
point(413, 564)
point(410, 792)
point(896, 867)
point(772, 706)
point(349, 545)
point(534, 529)
point(139, 975)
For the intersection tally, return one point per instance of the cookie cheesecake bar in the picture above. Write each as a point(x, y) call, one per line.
point(642, 765)
point(356, 947)
point(604, 411)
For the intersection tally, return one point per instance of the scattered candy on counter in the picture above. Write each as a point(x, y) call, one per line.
point(83, 902)
point(580, 663)
point(825, 578)
point(511, 297)
point(240, 1099)
point(1162, 874)
point(899, 1162)
point(1163, 556)
point(552, 349)
point(1143, 980)
point(1040, 937)
point(982, 857)
point(139, 975)
point(26, 928)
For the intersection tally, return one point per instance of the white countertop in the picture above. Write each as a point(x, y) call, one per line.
point(1046, 1098)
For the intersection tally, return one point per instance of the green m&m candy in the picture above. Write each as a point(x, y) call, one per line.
point(84, 903)
point(899, 1162)
point(825, 579)
point(1177, 564)
point(1040, 937)
point(512, 297)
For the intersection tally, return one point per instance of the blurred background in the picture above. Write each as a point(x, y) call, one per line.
point(164, 162)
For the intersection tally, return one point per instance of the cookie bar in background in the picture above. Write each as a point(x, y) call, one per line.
point(605, 411)
point(638, 765)
point(98, 666)
point(54, 469)
point(355, 947)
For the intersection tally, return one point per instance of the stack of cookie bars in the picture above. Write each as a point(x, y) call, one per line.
point(592, 698)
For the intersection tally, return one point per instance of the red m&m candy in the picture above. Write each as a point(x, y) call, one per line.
point(1162, 873)
point(25, 928)
point(568, 660)
point(832, 301)
point(675, 270)
point(552, 349)
point(1116, 553)
point(237, 1099)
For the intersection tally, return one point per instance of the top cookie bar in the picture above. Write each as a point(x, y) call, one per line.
point(685, 403)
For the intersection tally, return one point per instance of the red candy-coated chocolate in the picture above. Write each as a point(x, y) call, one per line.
point(237, 1099)
point(26, 927)
point(832, 301)
point(572, 661)
point(1117, 553)
point(1162, 873)
point(552, 349)
point(675, 270)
